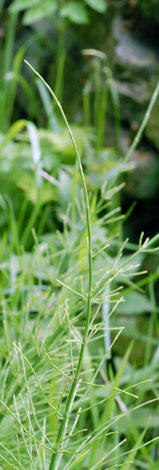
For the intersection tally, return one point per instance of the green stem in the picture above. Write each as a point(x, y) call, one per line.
point(54, 463)
point(1, 5)
point(61, 56)
point(86, 103)
point(97, 84)
point(143, 124)
point(8, 54)
point(74, 189)
point(116, 105)
point(101, 119)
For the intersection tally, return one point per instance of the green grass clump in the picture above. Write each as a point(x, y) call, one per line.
point(67, 401)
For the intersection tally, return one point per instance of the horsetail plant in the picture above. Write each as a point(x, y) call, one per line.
point(55, 459)
point(59, 447)
point(56, 378)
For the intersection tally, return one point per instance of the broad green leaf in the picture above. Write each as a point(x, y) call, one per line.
point(134, 450)
point(98, 5)
point(13, 131)
point(40, 12)
point(79, 459)
point(75, 12)
point(135, 303)
point(146, 417)
point(20, 5)
point(34, 140)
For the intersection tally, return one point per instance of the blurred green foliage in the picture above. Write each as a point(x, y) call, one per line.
point(150, 9)
point(44, 253)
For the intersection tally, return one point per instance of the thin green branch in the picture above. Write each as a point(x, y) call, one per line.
point(55, 459)
point(143, 124)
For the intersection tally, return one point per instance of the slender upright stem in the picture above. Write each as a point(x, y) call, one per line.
point(60, 63)
point(55, 459)
point(143, 124)
point(7, 65)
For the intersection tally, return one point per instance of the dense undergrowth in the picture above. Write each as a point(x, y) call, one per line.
point(45, 287)
point(79, 326)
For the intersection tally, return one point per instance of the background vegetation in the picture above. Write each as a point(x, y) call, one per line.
point(79, 326)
